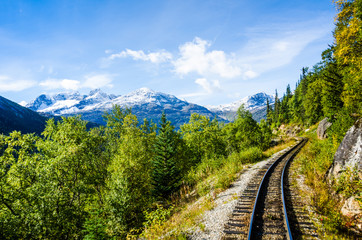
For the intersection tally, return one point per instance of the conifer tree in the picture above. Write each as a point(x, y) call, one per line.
point(268, 112)
point(332, 84)
point(165, 173)
point(276, 108)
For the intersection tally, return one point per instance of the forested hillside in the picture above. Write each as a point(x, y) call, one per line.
point(73, 183)
point(15, 117)
point(333, 87)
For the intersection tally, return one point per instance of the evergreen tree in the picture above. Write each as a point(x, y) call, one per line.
point(269, 113)
point(284, 108)
point(165, 171)
point(332, 84)
point(276, 108)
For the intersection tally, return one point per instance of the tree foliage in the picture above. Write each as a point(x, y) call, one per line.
point(165, 169)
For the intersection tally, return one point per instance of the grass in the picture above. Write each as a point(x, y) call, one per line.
point(269, 152)
point(313, 162)
point(203, 183)
point(179, 224)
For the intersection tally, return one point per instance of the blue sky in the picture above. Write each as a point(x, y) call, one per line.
point(207, 52)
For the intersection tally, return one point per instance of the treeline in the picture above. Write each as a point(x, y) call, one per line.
point(333, 87)
point(74, 183)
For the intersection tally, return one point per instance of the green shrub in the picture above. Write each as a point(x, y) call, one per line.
point(251, 155)
point(349, 184)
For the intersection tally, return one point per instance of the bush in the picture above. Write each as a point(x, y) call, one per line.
point(251, 155)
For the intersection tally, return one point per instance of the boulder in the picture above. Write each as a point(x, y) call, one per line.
point(349, 155)
point(351, 208)
point(349, 152)
point(322, 128)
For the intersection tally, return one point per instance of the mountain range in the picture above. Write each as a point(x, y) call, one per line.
point(144, 102)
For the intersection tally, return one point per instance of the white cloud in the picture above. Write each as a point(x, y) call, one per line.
point(154, 57)
point(98, 81)
point(195, 58)
point(67, 84)
point(23, 103)
point(250, 74)
point(208, 86)
point(9, 84)
point(89, 81)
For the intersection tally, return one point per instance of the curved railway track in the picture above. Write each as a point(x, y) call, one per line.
point(263, 209)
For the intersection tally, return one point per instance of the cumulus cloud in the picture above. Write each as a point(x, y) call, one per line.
point(154, 57)
point(194, 57)
point(208, 86)
point(250, 74)
point(89, 81)
point(98, 81)
point(9, 84)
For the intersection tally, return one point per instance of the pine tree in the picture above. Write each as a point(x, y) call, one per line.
point(268, 113)
point(276, 108)
point(332, 84)
point(165, 173)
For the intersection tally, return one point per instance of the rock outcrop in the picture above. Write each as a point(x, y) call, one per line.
point(290, 131)
point(349, 155)
point(351, 208)
point(322, 128)
point(349, 152)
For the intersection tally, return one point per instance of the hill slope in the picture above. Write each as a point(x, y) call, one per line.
point(15, 117)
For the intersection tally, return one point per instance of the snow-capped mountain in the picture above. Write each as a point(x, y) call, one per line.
point(250, 103)
point(254, 103)
point(68, 103)
point(145, 103)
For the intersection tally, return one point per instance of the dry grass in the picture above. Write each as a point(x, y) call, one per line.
point(279, 147)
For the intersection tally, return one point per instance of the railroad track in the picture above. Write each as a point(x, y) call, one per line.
point(263, 209)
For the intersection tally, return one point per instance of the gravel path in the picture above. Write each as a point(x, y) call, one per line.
point(215, 219)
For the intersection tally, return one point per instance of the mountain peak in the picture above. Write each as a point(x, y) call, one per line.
point(95, 91)
point(143, 90)
point(250, 102)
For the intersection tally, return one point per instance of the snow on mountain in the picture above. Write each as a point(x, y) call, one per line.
point(146, 96)
point(255, 104)
point(250, 103)
point(68, 103)
point(145, 103)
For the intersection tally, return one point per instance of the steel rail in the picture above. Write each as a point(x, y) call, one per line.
point(262, 183)
point(286, 221)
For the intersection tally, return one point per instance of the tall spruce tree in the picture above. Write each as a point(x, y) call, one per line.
point(268, 113)
point(165, 172)
point(276, 108)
